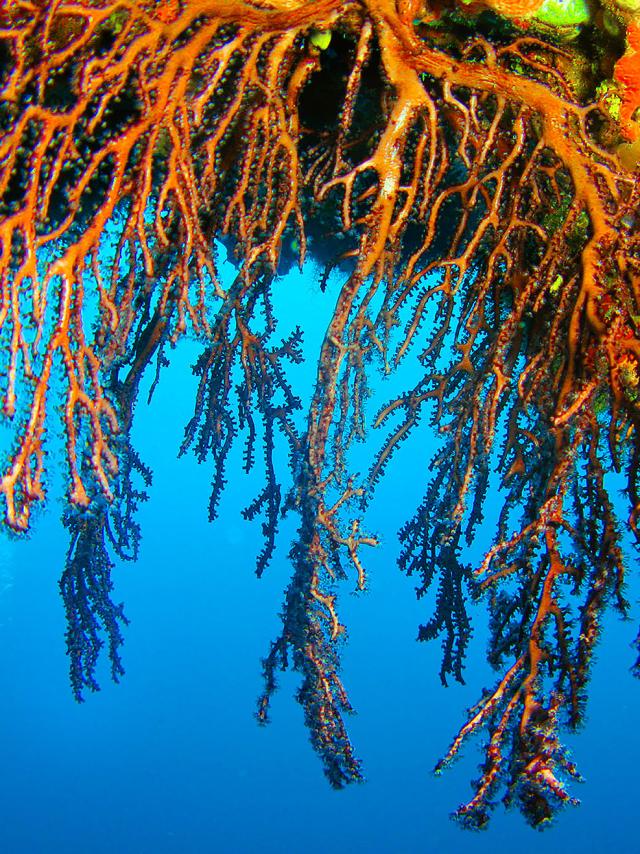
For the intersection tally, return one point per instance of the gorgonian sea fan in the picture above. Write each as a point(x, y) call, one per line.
point(471, 171)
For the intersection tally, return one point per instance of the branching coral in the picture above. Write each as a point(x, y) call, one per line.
point(467, 169)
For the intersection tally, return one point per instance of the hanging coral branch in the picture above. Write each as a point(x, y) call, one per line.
point(471, 171)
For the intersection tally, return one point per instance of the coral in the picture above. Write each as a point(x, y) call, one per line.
point(466, 169)
point(627, 75)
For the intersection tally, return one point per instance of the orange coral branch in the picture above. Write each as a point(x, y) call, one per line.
point(466, 175)
point(627, 74)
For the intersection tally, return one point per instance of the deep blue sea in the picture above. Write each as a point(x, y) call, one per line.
point(172, 761)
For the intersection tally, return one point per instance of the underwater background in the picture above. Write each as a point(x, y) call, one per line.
point(173, 760)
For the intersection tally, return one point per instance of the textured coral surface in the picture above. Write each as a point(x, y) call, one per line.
point(470, 172)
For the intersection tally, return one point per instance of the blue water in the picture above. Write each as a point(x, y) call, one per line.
point(172, 760)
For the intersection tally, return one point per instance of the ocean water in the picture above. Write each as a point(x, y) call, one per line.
point(172, 760)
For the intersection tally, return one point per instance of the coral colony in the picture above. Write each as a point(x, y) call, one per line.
point(469, 174)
